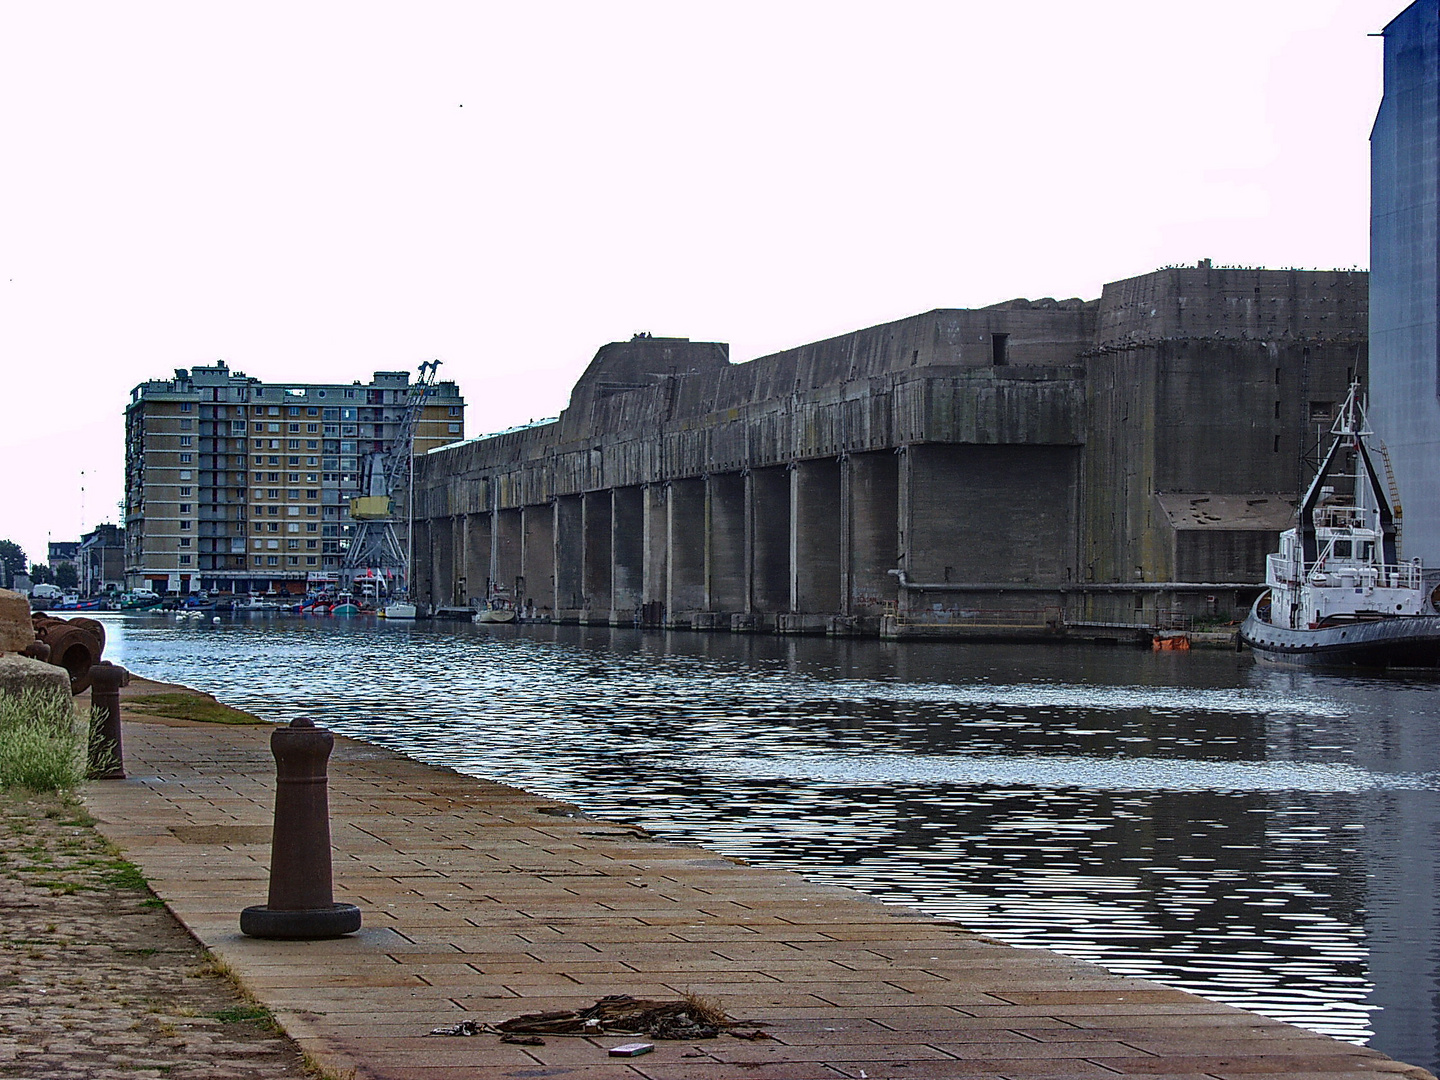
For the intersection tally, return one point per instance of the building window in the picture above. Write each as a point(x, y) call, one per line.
point(185, 473)
point(184, 491)
point(184, 541)
point(456, 410)
point(454, 429)
point(293, 429)
point(349, 393)
point(184, 560)
point(184, 524)
point(185, 407)
point(272, 560)
point(311, 526)
point(311, 560)
point(293, 444)
point(312, 411)
point(185, 507)
point(273, 526)
point(187, 440)
point(187, 425)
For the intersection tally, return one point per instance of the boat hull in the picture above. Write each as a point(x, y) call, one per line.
point(1410, 642)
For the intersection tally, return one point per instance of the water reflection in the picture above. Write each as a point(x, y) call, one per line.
point(1265, 838)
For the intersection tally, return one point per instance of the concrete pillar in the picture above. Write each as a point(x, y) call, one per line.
point(443, 582)
point(627, 552)
point(596, 511)
point(459, 592)
point(506, 547)
point(725, 542)
point(815, 536)
point(537, 561)
point(685, 541)
point(874, 541)
point(422, 562)
point(904, 485)
point(767, 505)
point(656, 553)
point(478, 542)
point(569, 553)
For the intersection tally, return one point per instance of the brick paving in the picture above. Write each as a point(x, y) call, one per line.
point(484, 902)
point(97, 981)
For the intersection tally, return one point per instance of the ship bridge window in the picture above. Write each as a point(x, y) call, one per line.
point(1342, 549)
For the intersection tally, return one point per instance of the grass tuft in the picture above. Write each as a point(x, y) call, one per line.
point(42, 744)
point(191, 707)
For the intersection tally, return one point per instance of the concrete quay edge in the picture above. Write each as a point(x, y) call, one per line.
point(479, 905)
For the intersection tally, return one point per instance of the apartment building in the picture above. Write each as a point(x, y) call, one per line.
point(237, 485)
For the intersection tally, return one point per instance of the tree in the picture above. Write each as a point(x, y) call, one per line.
point(40, 574)
point(12, 562)
point(66, 576)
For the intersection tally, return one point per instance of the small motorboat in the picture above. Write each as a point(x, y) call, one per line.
point(499, 610)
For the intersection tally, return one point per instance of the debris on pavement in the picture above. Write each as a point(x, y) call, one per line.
point(631, 1049)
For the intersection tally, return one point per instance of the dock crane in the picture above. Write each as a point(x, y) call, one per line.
point(375, 548)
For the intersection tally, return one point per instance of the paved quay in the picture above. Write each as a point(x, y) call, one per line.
point(484, 902)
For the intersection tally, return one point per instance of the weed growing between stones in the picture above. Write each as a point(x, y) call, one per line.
point(42, 746)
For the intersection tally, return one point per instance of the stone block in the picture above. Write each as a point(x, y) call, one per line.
point(20, 673)
point(16, 633)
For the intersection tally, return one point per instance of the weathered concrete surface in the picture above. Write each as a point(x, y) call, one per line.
point(20, 673)
point(481, 901)
point(1032, 442)
point(16, 630)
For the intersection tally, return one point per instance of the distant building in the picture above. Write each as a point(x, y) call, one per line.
point(100, 561)
point(234, 484)
point(62, 551)
point(1405, 272)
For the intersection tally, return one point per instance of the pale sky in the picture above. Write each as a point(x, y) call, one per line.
point(316, 191)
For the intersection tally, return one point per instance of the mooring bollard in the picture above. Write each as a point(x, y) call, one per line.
point(106, 759)
point(302, 900)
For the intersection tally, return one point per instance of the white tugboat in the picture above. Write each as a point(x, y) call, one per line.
point(1338, 594)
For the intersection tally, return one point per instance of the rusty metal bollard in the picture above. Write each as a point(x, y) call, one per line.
point(302, 901)
point(106, 754)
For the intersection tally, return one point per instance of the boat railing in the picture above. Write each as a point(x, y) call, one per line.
point(1341, 517)
point(1279, 570)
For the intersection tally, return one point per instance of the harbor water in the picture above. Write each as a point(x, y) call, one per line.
point(1262, 837)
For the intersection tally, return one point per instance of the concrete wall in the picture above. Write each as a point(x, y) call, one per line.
point(1006, 457)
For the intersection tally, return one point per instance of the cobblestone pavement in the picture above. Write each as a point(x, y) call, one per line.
point(98, 980)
